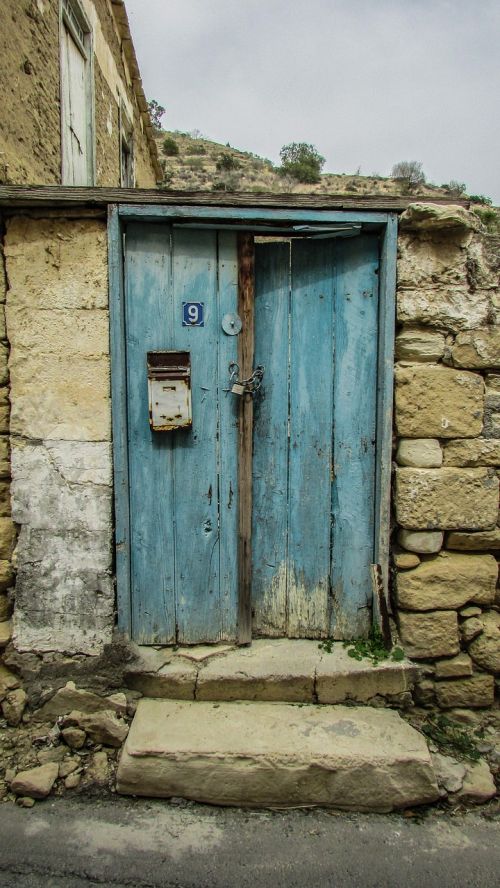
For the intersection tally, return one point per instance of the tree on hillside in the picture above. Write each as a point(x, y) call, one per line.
point(301, 161)
point(170, 147)
point(226, 162)
point(455, 189)
point(156, 112)
point(410, 173)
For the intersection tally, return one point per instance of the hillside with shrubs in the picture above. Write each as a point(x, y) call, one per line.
point(192, 162)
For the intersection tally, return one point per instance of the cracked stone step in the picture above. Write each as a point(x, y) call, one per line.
point(284, 670)
point(276, 754)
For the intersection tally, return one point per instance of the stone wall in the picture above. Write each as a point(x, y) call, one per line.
point(30, 131)
point(447, 423)
point(30, 138)
point(58, 330)
point(107, 123)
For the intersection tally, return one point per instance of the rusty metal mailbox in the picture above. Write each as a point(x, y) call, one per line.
point(169, 388)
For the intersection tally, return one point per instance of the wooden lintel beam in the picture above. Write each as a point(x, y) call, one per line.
point(59, 194)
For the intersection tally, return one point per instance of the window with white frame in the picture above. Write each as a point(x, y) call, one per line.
point(77, 138)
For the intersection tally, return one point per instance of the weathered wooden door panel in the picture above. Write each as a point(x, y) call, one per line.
point(183, 484)
point(148, 283)
point(227, 441)
point(314, 438)
point(310, 448)
point(195, 451)
point(270, 455)
point(355, 399)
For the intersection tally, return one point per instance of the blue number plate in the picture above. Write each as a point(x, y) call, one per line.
point(192, 314)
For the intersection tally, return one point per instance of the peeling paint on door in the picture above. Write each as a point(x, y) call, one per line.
point(314, 437)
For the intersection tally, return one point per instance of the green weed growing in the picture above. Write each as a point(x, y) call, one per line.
point(371, 648)
point(451, 738)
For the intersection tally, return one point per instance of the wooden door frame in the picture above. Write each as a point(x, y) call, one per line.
point(247, 218)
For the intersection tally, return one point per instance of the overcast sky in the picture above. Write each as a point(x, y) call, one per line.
point(369, 82)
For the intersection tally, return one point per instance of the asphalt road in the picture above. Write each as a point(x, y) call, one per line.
point(146, 844)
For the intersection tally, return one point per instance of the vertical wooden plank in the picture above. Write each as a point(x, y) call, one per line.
point(196, 492)
point(355, 397)
point(311, 417)
point(246, 294)
point(228, 440)
point(386, 334)
point(148, 327)
point(119, 419)
point(270, 440)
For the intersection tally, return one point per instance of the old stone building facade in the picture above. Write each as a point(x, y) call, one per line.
point(58, 606)
point(73, 107)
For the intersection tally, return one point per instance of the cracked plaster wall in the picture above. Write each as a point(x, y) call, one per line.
point(58, 329)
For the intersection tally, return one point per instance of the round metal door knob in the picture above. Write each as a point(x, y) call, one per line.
point(231, 324)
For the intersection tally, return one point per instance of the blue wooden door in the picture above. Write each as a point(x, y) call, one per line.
point(316, 319)
point(313, 438)
point(183, 483)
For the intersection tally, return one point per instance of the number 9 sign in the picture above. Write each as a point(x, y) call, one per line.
point(192, 314)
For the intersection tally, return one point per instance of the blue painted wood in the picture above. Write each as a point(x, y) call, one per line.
point(228, 440)
point(310, 452)
point(119, 414)
point(196, 507)
point(328, 384)
point(355, 399)
point(148, 327)
point(248, 214)
point(184, 579)
point(386, 335)
point(270, 442)
point(156, 275)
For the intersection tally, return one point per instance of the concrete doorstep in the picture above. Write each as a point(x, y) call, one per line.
point(276, 754)
point(281, 670)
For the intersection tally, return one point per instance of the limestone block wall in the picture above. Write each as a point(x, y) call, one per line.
point(447, 427)
point(58, 331)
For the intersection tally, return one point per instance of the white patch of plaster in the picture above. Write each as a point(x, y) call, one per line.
point(82, 462)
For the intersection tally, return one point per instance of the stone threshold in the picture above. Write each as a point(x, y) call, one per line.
point(276, 754)
point(272, 670)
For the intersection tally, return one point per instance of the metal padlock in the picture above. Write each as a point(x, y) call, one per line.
point(238, 389)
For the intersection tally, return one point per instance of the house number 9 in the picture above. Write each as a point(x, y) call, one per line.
point(192, 314)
